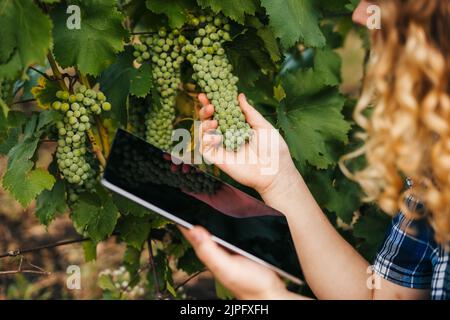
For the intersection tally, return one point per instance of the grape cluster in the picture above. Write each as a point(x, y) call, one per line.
point(164, 51)
point(137, 111)
point(72, 153)
point(5, 90)
point(157, 168)
point(214, 74)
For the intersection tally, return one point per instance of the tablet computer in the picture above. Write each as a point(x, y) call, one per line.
point(189, 196)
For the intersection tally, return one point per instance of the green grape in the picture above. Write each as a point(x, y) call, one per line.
point(214, 74)
point(155, 169)
point(137, 111)
point(73, 161)
point(163, 52)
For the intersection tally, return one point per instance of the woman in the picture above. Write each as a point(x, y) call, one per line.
point(406, 135)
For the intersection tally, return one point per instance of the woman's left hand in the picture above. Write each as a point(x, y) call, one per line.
point(246, 279)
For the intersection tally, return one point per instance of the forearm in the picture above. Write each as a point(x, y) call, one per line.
point(332, 268)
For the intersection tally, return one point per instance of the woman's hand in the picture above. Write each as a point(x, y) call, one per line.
point(246, 279)
point(271, 166)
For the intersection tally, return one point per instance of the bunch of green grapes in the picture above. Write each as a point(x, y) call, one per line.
point(72, 152)
point(5, 90)
point(163, 49)
point(157, 168)
point(214, 74)
point(137, 110)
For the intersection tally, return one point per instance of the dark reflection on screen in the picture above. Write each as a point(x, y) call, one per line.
point(201, 199)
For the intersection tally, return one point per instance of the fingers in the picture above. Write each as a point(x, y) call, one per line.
point(206, 112)
point(253, 117)
point(208, 125)
point(215, 258)
point(203, 99)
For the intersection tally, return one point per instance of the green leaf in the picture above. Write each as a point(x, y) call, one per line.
point(94, 46)
point(247, 58)
point(11, 68)
point(115, 83)
point(20, 180)
point(134, 231)
point(132, 262)
point(310, 115)
point(176, 10)
point(311, 126)
point(51, 203)
point(189, 262)
point(105, 282)
point(233, 9)
point(293, 21)
point(12, 138)
point(267, 36)
point(222, 292)
point(128, 207)
point(26, 29)
point(334, 192)
point(45, 92)
point(90, 251)
point(141, 81)
point(371, 227)
point(95, 217)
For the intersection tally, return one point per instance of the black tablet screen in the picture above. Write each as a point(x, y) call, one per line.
point(198, 198)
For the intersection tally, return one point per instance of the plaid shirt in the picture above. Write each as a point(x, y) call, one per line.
point(411, 258)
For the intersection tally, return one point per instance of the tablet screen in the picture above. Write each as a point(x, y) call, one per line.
point(198, 198)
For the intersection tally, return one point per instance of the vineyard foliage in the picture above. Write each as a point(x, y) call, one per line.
point(137, 64)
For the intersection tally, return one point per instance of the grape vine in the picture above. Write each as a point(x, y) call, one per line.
point(150, 58)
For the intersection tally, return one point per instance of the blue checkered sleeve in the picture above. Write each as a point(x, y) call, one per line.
point(406, 255)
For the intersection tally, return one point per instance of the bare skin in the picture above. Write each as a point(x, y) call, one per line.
point(332, 267)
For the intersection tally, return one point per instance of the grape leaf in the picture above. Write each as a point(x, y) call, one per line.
point(141, 81)
point(294, 21)
point(267, 36)
point(334, 192)
point(97, 217)
point(132, 263)
point(12, 137)
point(51, 203)
point(25, 28)
point(90, 250)
point(247, 58)
point(20, 180)
point(116, 81)
point(175, 10)
point(371, 227)
point(312, 125)
point(234, 9)
point(134, 231)
point(189, 262)
point(128, 207)
point(222, 292)
point(10, 69)
point(94, 46)
point(45, 92)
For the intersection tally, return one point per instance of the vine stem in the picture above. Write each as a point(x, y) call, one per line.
point(46, 76)
point(56, 72)
point(19, 252)
point(152, 264)
point(102, 132)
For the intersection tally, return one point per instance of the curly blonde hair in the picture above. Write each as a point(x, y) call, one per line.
point(405, 112)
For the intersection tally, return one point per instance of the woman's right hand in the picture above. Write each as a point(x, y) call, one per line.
point(271, 168)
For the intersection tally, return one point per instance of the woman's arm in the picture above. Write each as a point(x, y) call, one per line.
point(332, 267)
